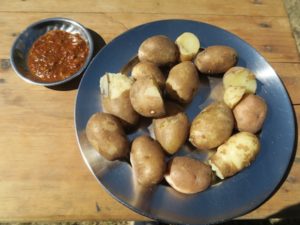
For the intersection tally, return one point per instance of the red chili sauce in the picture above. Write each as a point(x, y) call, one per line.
point(56, 55)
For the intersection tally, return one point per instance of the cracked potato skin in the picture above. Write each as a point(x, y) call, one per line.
point(235, 154)
point(146, 98)
point(183, 82)
point(171, 130)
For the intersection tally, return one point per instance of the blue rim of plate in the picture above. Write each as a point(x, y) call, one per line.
point(235, 196)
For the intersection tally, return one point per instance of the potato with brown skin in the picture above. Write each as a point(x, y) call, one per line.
point(148, 161)
point(212, 126)
point(216, 59)
point(159, 50)
point(187, 175)
point(183, 82)
point(250, 113)
point(147, 69)
point(235, 154)
point(106, 135)
point(146, 98)
point(115, 99)
point(171, 130)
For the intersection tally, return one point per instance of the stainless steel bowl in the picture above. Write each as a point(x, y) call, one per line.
point(25, 40)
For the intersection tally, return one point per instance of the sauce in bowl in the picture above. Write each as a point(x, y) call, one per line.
point(56, 55)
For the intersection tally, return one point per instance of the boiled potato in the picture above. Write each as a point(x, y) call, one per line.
point(148, 161)
point(233, 94)
point(235, 154)
point(182, 82)
point(212, 126)
point(189, 45)
point(250, 113)
point(115, 99)
point(171, 130)
point(216, 59)
point(147, 69)
point(187, 175)
point(106, 135)
point(159, 50)
point(146, 98)
point(240, 77)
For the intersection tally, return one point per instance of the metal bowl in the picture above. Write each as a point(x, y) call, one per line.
point(25, 40)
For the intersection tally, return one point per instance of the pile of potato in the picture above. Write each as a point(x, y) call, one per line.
point(228, 127)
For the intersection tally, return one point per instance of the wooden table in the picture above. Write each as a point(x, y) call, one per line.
point(42, 174)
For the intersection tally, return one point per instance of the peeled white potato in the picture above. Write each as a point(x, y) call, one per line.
point(189, 45)
point(235, 154)
point(240, 77)
point(233, 95)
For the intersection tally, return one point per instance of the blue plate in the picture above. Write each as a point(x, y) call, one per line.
point(225, 200)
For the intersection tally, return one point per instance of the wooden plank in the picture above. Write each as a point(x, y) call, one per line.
point(216, 7)
point(43, 176)
point(271, 36)
point(290, 75)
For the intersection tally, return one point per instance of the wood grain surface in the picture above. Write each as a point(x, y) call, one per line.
point(42, 174)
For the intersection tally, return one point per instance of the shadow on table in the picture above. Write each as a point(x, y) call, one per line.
point(289, 212)
point(99, 43)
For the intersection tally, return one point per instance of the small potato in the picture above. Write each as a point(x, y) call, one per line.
point(212, 126)
point(115, 99)
point(187, 175)
point(159, 50)
point(240, 77)
point(171, 131)
point(182, 82)
point(146, 98)
point(250, 113)
point(235, 154)
point(106, 135)
point(233, 95)
point(216, 59)
point(189, 45)
point(148, 161)
point(147, 69)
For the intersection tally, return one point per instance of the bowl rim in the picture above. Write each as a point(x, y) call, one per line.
point(72, 76)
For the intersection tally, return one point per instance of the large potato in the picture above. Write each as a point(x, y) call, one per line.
point(171, 131)
point(146, 98)
point(250, 113)
point(147, 69)
point(183, 82)
point(115, 99)
point(235, 154)
point(148, 161)
point(240, 77)
point(106, 135)
point(216, 59)
point(159, 50)
point(187, 175)
point(212, 126)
